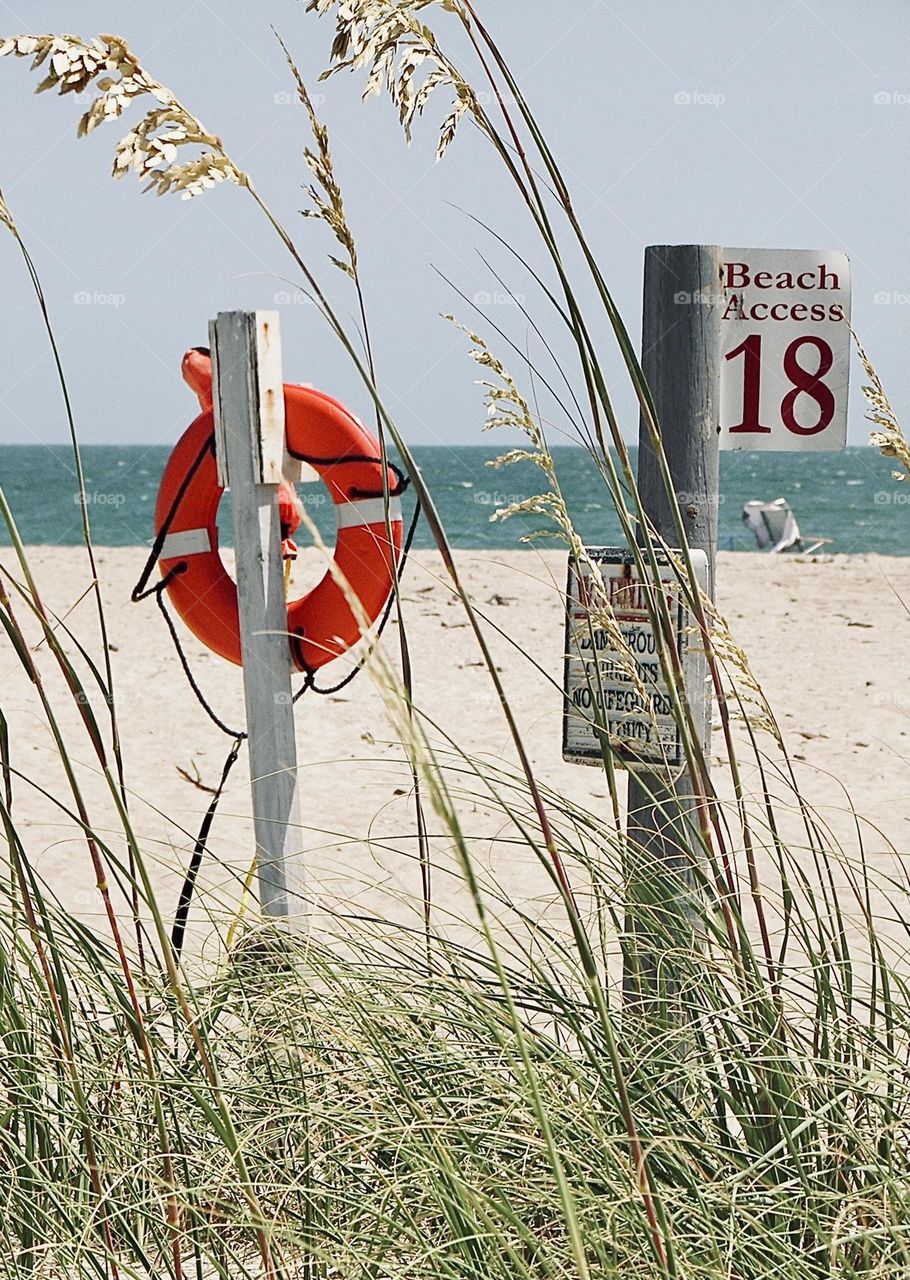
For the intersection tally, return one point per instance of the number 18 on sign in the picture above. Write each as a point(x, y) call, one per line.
point(786, 348)
point(616, 695)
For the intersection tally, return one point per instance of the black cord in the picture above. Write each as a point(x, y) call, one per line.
point(213, 716)
point(139, 592)
point(178, 932)
point(355, 494)
point(310, 672)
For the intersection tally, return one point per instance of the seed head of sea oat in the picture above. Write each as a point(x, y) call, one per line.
point(5, 216)
point(400, 53)
point(890, 439)
point(106, 67)
point(325, 190)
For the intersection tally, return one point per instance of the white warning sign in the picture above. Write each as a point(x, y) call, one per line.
point(615, 690)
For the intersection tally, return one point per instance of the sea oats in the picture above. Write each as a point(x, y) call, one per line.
point(5, 216)
point(328, 203)
point(152, 148)
point(507, 407)
point(387, 39)
point(512, 456)
point(745, 696)
point(751, 706)
point(890, 440)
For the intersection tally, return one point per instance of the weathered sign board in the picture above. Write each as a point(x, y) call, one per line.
point(614, 686)
point(786, 349)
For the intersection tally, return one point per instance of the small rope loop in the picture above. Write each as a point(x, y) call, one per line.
point(310, 674)
point(213, 716)
point(139, 591)
point(356, 494)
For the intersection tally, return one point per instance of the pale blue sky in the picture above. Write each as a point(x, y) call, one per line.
point(782, 144)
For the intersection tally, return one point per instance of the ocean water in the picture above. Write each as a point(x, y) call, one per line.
point(848, 497)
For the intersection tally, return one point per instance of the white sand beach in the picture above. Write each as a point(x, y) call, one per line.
point(829, 638)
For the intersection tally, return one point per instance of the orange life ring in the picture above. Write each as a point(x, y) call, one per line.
point(321, 624)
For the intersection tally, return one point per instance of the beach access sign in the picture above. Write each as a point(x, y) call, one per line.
point(614, 687)
point(786, 349)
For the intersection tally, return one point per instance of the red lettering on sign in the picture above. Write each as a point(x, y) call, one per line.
point(737, 275)
point(810, 384)
point(804, 382)
point(750, 350)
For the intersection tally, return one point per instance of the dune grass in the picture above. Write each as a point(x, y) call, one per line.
point(385, 1102)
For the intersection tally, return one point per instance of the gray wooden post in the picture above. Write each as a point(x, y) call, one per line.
point(681, 353)
point(249, 440)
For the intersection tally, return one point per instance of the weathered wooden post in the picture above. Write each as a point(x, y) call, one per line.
point(252, 461)
point(681, 356)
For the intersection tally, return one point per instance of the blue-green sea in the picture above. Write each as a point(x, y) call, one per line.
point(849, 497)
